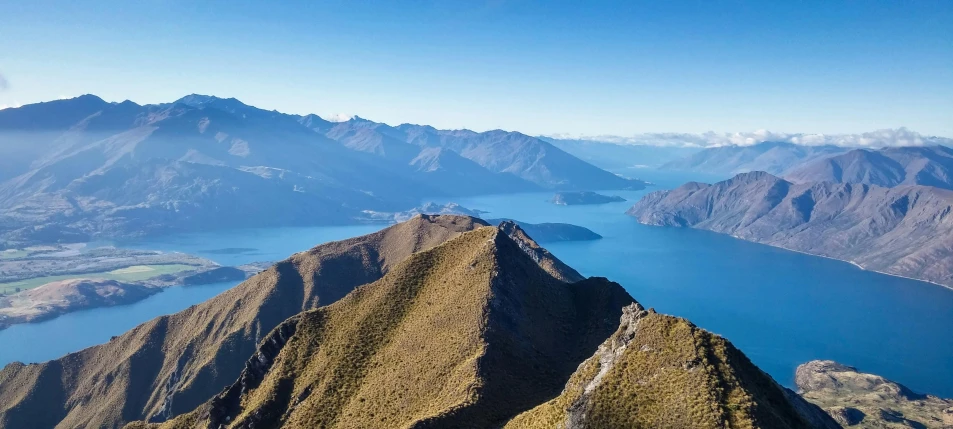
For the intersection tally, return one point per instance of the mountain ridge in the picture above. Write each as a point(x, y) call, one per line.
point(904, 231)
point(196, 162)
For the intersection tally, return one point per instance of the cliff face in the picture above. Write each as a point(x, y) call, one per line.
point(860, 400)
point(906, 230)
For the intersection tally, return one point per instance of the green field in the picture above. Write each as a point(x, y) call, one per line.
point(13, 253)
point(128, 274)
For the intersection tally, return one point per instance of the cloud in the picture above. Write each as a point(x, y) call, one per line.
point(4, 84)
point(339, 117)
point(879, 138)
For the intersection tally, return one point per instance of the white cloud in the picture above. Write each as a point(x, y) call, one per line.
point(339, 117)
point(4, 84)
point(879, 138)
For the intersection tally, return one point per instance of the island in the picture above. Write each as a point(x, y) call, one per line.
point(578, 198)
point(552, 232)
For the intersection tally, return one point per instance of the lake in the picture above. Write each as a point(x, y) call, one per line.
point(781, 308)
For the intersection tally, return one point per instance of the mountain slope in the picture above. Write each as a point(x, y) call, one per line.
point(205, 162)
point(888, 167)
point(524, 156)
point(772, 157)
point(906, 231)
point(464, 335)
point(171, 364)
point(659, 371)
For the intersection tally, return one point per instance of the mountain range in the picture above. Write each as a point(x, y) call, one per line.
point(887, 167)
point(772, 157)
point(82, 168)
point(441, 321)
point(905, 230)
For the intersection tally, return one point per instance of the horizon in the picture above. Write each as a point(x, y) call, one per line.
point(889, 137)
point(606, 68)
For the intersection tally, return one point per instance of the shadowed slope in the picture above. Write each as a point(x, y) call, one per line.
point(173, 363)
point(906, 230)
point(660, 371)
point(467, 334)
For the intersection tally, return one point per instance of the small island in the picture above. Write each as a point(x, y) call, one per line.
point(577, 198)
point(552, 232)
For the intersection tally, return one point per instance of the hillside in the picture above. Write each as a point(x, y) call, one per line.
point(172, 364)
point(905, 231)
point(867, 401)
point(659, 371)
point(888, 167)
point(473, 333)
point(772, 157)
point(85, 168)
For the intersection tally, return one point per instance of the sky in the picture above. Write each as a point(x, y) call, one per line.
point(540, 67)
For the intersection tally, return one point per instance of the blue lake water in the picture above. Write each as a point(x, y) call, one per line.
point(781, 308)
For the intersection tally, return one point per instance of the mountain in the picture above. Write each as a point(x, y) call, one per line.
point(887, 167)
point(861, 400)
point(617, 156)
point(436, 322)
point(171, 364)
point(473, 334)
point(86, 168)
point(905, 231)
point(55, 298)
point(772, 157)
point(659, 371)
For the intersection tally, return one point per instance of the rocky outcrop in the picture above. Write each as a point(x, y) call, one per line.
point(856, 399)
point(905, 231)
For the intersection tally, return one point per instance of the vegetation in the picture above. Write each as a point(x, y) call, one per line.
point(172, 364)
point(128, 274)
point(464, 335)
point(663, 372)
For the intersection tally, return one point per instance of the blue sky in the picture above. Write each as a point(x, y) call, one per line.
point(540, 67)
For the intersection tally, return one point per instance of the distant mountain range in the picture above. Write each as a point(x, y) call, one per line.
point(621, 156)
point(438, 322)
point(887, 167)
point(905, 230)
point(80, 168)
point(772, 157)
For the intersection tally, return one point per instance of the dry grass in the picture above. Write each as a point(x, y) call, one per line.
point(671, 375)
point(172, 364)
point(467, 334)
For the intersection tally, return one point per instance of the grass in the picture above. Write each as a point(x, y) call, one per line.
point(128, 274)
point(13, 253)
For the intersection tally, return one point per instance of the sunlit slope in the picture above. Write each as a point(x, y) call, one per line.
point(467, 334)
point(172, 364)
